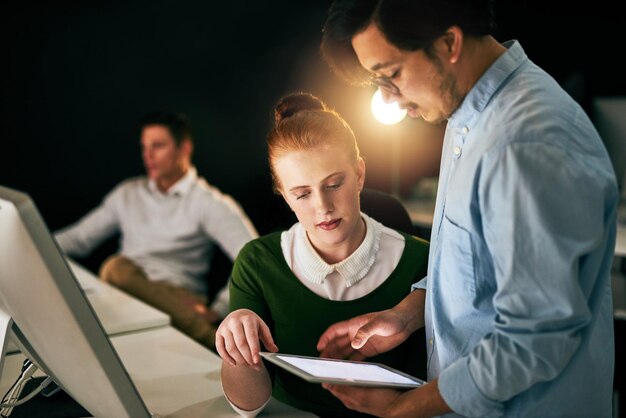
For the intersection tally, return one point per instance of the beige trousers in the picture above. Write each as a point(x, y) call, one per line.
point(185, 308)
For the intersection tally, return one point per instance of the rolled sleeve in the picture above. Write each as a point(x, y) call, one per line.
point(459, 390)
point(420, 285)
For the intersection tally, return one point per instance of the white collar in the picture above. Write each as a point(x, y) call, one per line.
point(181, 187)
point(351, 269)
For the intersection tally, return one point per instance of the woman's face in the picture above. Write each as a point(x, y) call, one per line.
point(322, 186)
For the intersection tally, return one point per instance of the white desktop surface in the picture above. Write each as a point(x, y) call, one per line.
point(117, 311)
point(176, 377)
point(87, 280)
point(180, 378)
point(620, 241)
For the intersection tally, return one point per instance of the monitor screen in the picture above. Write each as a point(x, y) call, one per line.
point(53, 321)
point(609, 118)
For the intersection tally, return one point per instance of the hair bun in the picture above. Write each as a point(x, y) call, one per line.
point(294, 103)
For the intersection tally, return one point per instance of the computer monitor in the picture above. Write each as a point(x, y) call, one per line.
point(52, 319)
point(609, 117)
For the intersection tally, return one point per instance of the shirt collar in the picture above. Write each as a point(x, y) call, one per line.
point(488, 85)
point(181, 187)
point(352, 269)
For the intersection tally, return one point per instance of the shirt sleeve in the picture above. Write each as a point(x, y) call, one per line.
point(80, 238)
point(541, 213)
point(246, 292)
point(243, 412)
point(422, 284)
point(246, 284)
point(227, 224)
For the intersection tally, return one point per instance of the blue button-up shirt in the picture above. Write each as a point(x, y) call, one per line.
point(519, 317)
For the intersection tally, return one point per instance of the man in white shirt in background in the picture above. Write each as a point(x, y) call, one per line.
point(169, 222)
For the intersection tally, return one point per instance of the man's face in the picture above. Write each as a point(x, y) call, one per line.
point(162, 158)
point(425, 87)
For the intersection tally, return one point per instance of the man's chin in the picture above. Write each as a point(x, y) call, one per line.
point(429, 120)
point(412, 113)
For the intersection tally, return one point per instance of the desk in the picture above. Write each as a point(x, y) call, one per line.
point(116, 310)
point(620, 242)
point(618, 279)
point(175, 376)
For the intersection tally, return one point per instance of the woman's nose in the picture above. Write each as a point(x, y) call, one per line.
point(324, 204)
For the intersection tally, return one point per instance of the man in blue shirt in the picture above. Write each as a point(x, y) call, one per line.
point(517, 301)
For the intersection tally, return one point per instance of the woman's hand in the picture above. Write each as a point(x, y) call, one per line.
point(237, 338)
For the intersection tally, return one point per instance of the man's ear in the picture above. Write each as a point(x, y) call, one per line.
point(186, 147)
point(452, 43)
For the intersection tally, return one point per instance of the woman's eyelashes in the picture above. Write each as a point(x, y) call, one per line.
point(332, 187)
point(302, 195)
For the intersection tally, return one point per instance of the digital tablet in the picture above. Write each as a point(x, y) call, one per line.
point(346, 372)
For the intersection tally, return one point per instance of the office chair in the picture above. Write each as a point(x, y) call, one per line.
point(386, 209)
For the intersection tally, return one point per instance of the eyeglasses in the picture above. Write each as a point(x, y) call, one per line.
point(384, 83)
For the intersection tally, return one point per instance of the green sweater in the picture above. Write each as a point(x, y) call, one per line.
point(263, 282)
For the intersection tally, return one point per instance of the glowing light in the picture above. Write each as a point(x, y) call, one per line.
point(389, 114)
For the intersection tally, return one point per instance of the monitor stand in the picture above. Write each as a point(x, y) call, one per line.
point(6, 322)
point(42, 405)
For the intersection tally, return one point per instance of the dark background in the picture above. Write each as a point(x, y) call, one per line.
point(77, 76)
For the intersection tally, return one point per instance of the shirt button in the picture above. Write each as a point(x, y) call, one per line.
point(457, 151)
point(430, 341)
point(465, 130)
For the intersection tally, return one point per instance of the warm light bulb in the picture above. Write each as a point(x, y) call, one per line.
point(389, 114)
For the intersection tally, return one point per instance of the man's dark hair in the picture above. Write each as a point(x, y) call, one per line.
point(177, 123)
point(407, 24)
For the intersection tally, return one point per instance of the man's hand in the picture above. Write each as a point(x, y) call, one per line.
point(374, 401)
point(374, 333)
point(363, 336)
point(422, 402)
point(209, 314)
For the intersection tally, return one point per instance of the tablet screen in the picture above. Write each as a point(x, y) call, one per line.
point(341, 371)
